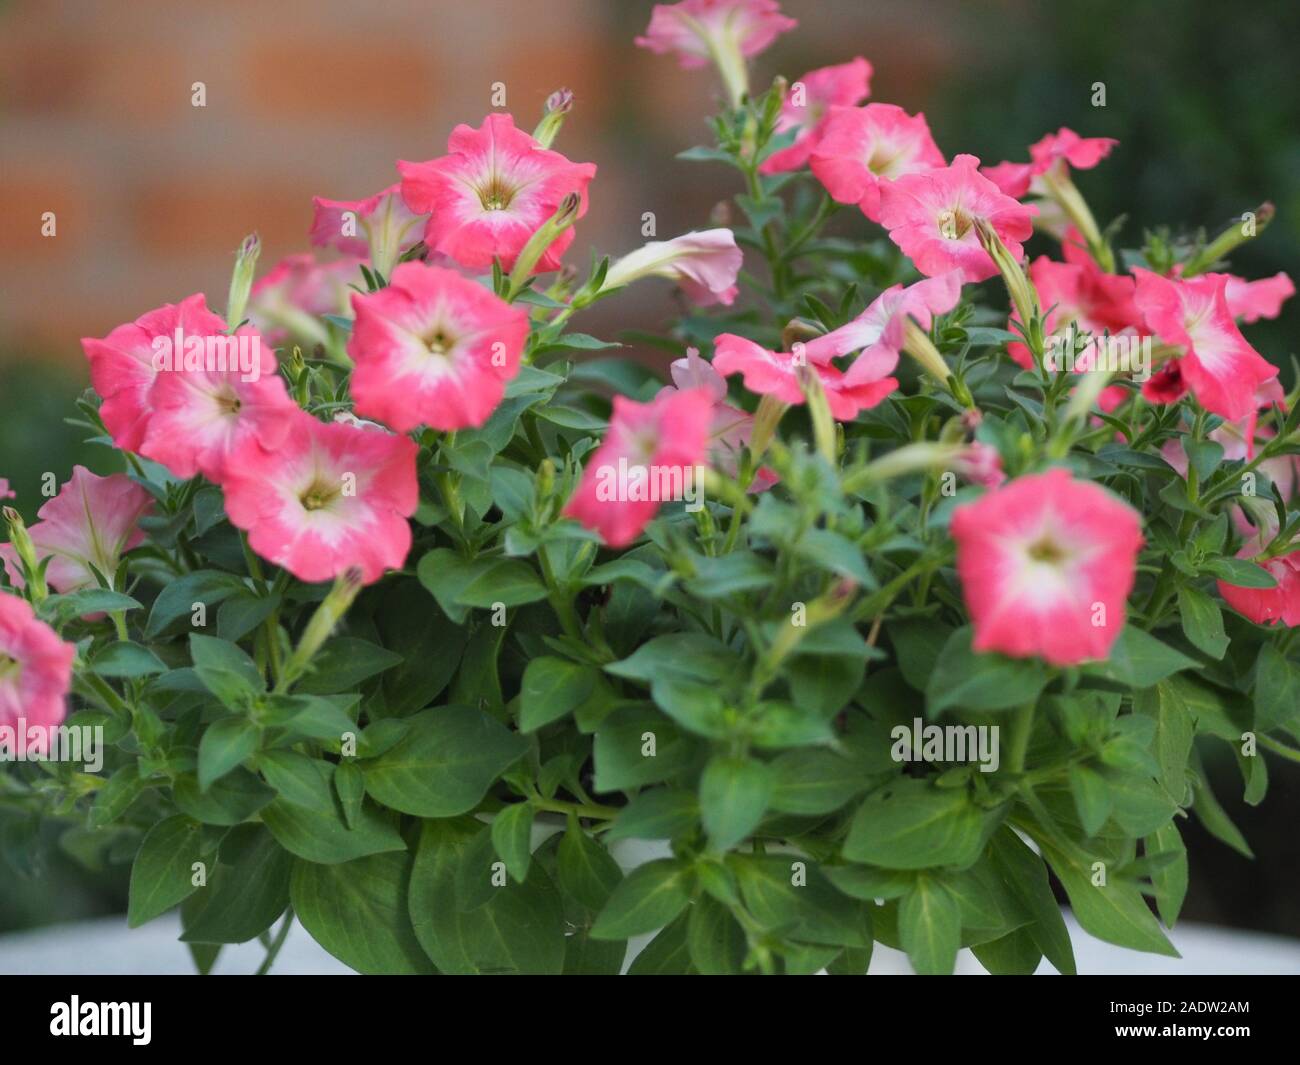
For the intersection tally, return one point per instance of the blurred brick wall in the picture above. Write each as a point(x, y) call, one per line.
point(152, 195)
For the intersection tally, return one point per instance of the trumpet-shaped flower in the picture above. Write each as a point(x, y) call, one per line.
point(331, 497)
point(703, 264)
point(1250, 301)
point(1046, 564)
point(808, 107)
point(651, 453)
point(122, 363)
point(85, 530)
point(381, 226)
point(433, 348)
point(491, 192)
point(1062, 149)
point(291, 298)
point(35, 675)
point(931, 217)
point(862, 148)
point(1222, 370)
point(1080, 294)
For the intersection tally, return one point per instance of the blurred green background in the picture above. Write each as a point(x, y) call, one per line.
point(153, 195)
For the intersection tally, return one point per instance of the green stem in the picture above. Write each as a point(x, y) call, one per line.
point(274, 949)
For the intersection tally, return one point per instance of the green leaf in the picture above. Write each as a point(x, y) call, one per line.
point(224, 745)
point(1170, 881)
point(1092, 797)
point(791, 898)
point(645, 901)
point(660, 813)
point(225, 670)
point(1277, 689)
point(1114, 913)
point(1175, 729)
point(552, 688)
point(734, 793)
point(1202, 621)
point(512, 832)
point(686, 656)
point(981, 681)
point(1239, 572)
point(585, 869)
point(929, 927)
point(343, 663)
point(520, 929)
point(445, 763)
point(116, 796)
point(1139, 660)
point(812, 782)
point(917, 646)
point(1213, 816)
point(909, 824)
point(636, 746)
point(126, 659)
point(1015, 954)
point(163, 874)
point(319, 833)
point(1024, 875)
point(667, 954)
point(178, 597)
point(358, 912)
point(715, 938)
point(350, 787)
point(60, 609)
point(232, 799)
point(245, 893)
point(731, 574)
point(509, 581)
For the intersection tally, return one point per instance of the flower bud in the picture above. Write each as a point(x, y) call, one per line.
point(565, 215)
point(558, 104)
point(26, 552)
point(241, 280)
point(327, 615)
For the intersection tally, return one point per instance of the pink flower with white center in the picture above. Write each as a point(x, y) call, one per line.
point(433, 348)
point(85, 530)
point(722, 32)
point(931, 217)
point(1046, 564)
point(1062, 150)
point(862, 148)
point(332, 497)
point(1079, 294)
point(122, 363)
point(808, 107)
point(291, 299)
point(1268, 606)
point(493, 191)
point(704, 264)
point(1222, 370)
point(1252, 300)
point(730, 429)
point(206, 419)
point(35, 674)
point(381, 226)
point(651, 453)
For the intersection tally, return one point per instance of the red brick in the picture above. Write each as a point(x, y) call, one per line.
point(210, 215)
point(26, 194)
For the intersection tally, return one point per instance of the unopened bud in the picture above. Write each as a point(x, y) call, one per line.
point(241, 280)
point(21, 541)
point(331, 610)
point(558, 104)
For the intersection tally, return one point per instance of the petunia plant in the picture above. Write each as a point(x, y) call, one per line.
point(893, 594)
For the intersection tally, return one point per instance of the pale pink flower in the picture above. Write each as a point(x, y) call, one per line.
point(647, 446)
point(699, 30)
point(85, 530)
point(1046, 564)
point(291, 299)
point(205, 419)
point(491, 192)
point(980, 464)
point(1082, 294)
point(330, 498)
point(122, 363)
point(931, 217)
point(1252, 300)
point(1062, 150)
point(433, 348)
point(35, 674)
point(381, 226)
point(808, 106)
point(704, 264)
point(5, 491)
point(862, 148)
point(1222, 370)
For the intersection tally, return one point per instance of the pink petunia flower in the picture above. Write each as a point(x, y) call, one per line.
point(1046, 564)
point(207, 417)
point(35, 674)
point(651, 453)
point(330, 498)
point(493, 191)
point(381, 226)
point(862, 148)
point(931, 217)
point(723, 32)
point(122, 363)
point(704, 264)
point(5, 491)
point(433, 348)
point(290, 300)
point(980, 464)
point(1080, 294)
point(1222, 370)
point(808, 107)
point(1252, 300)
point(731, 427)
point(1268, 606)
point(1062, 149)
point(85, 530)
